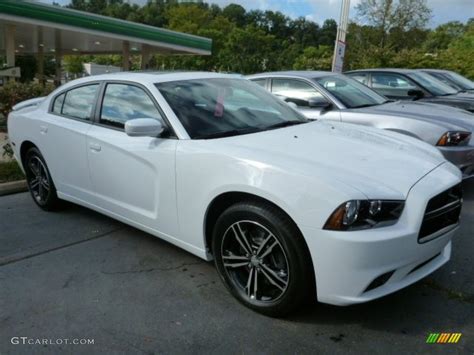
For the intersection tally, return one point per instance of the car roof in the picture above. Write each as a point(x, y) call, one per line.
point(151, 77)
point(308, 74)
point(435, 70)
point(388, 70)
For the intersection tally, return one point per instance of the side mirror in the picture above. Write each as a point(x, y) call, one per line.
point(292, 104)
point(143, 127)
point(318, 103)
point(416, 94)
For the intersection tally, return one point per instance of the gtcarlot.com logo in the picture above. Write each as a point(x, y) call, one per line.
point(51, 341)
point(443, 338)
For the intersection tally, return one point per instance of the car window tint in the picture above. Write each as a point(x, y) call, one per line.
point(260, 82)
point(295, 91)
point(392, 84)
point(58, 103)
point(124, 102)
point(216, 106)
point(79, 102)
point(361, 78)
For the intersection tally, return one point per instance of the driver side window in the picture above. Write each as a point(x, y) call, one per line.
point(123, 102)
point(392, 85)
point(296, 91)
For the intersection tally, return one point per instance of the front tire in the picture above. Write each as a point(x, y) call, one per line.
point(262, 258)
point(39, 180)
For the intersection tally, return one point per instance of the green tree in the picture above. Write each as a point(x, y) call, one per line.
point(328, 33)
point(389, 16)
point(444, 35)
point(73, 64)
point(315, 58)
point(235, 13)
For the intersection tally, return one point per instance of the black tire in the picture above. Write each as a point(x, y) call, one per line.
point(289, 258)
point(39, 180)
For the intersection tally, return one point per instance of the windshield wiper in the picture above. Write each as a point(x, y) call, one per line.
point(285, 124)
point(230, 133)
point(367, 105)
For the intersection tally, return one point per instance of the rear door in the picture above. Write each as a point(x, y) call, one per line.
point(133, 177)
point(64, 130)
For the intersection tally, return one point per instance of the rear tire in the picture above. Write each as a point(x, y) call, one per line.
point(262, 258)
point(39, 180)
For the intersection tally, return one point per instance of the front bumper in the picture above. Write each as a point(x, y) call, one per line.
point(462, 157)
point(359, 266)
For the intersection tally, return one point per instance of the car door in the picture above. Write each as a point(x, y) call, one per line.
point(64, 129)
point(300, 92)
point(133, 177)
point(392, 85)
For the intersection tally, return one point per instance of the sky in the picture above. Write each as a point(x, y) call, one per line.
point(320, 10)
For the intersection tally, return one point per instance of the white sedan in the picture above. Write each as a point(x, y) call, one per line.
point(214, 164)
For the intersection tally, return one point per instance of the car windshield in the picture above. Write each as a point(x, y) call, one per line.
point(350, 92)
point(222, 107)
point(433, 85)
point(462, 82)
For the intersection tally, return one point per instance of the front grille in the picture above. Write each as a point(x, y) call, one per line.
point(442, 211)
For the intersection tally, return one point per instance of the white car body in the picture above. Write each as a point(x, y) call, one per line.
point(166, 186)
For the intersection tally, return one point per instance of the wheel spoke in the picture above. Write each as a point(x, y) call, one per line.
point(40, 191)
point(255, 281)
point(45, 185)
point(260, 248)
point(34, 183)
point(33, 168)
point(235, 257)
point(269, 249)
point(271, 276)
point(235, 265)
point(249, 283)
point(239, 235)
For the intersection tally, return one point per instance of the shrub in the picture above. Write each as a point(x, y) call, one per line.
point(14, 92)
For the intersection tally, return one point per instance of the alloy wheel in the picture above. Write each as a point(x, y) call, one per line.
point(255, 262)
point(38, 181)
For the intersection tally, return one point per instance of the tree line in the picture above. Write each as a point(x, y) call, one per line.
point(385, 33)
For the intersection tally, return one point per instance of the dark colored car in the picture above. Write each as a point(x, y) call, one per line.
point(453, 79)
point(410, 84)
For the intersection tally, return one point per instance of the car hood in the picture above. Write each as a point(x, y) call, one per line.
point(378, 163)
point(456, 100)
point(451, 118)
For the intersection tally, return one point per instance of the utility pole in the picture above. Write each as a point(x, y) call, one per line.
point(340, 45)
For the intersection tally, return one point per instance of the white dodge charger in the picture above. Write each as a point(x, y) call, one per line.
point(214, 164)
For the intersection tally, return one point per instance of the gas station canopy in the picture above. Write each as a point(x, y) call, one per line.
point(28, 27)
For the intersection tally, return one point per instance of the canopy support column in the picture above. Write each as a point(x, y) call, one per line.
point(145, 56)
point(10, 46)
point(57, 58)
point(40, 57)
point(126, 56)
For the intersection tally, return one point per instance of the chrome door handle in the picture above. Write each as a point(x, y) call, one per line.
point(95, 147)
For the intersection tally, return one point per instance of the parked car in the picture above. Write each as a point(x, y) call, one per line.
point(336, 97)
point(410, 84)
point(287, 207)
point(453, 79)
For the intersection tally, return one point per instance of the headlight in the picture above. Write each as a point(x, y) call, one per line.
point(364, 214)
point(454, 138)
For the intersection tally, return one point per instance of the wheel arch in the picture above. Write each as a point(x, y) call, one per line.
point(226, 199)
point(25, 146)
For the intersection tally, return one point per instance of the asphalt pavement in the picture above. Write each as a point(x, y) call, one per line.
point(77, 276)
